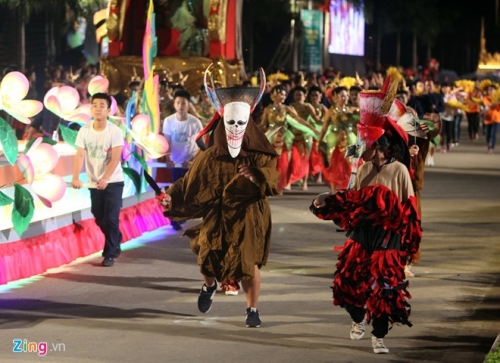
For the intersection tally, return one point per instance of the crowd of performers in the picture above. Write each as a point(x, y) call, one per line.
point(368, 145)
point(236, 147)
point(311, 128)
point(364, 146)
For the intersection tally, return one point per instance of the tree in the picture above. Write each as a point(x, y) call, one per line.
point(24, 9)
point(263, 24)
point(418, 17)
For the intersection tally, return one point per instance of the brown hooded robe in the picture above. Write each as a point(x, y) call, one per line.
point(235, 232)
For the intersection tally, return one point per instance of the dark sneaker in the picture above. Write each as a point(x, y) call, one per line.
point(118, 253)
point(252, 318)
point(176, 225)
point(206, 297)
point(108, 262)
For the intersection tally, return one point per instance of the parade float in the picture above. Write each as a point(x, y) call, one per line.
point(190, 36)
point(44, 222)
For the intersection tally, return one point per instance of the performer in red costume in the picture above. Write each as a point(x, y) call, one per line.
point(380, 217)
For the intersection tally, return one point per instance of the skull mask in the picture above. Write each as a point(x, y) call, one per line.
point(236, 115)
point(234, 104)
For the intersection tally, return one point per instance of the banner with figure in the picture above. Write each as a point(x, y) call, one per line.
point(312, 40)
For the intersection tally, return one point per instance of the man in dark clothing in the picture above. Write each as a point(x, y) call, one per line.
point(431, 101)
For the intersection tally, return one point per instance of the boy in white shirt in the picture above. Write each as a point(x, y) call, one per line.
point(180, 130)
point(100, 145)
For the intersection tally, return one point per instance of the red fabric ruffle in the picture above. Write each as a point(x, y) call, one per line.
point(35, 255)
point(376, 279)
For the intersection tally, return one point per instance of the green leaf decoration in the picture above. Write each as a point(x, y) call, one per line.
point(5, 199)
point(45, 140)
point(119, 124)
point(123, 128)
point(115, 122)
point(136, 179)
point(141, 160)
point(429, 124)
point(23, 209)
point(22, 200)
point(8, 140)
point(69, 135)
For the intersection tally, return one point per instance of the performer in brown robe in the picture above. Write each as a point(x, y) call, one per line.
point(228, 186)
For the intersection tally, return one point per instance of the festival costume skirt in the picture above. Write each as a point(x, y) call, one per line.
point(382, 233)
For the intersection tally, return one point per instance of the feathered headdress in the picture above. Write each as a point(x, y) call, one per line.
point(484, 84)
point(466, 84)
point(276, 78)
point(406, 118)
point(374, 105)
point(348, 82)
point(375, 119)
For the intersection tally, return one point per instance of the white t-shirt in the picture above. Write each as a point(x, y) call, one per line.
point(98, 146)
point(183, 137)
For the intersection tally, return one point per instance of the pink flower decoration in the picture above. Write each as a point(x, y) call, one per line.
point(63, 101)
point(13, 88)
point(114, 106)
point(24, 164)
point(98, 84)
point(154, 145)
point(36, 165)
point(126, 150)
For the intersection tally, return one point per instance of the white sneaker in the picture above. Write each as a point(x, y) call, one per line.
point(231, 292)
point(358, 330)
point(378, 345)
point(409, 272)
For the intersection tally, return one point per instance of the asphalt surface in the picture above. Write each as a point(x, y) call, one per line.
point(144, 308)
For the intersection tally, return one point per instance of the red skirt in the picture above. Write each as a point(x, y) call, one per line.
point(282, 168)
point(316, 164)
point(299, 163)
point(383, 233)
point(339, 171)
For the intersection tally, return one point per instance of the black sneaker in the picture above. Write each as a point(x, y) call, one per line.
point(176, 225)
point(206, 297)
point(108, 262)
point(252, 318)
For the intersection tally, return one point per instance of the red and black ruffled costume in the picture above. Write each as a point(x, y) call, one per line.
point(382, 233)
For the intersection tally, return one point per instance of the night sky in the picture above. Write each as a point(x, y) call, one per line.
point(456, 48)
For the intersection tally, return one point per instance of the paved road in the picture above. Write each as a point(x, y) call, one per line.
point(144, 308)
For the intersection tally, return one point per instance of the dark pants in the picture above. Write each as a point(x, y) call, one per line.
point(177, 173)
point(491, 135)
point(105, 206)
point(447, 133)
point(380, 325)
point(473, 120)
point(457, 120)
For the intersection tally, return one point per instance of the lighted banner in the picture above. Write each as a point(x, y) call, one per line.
point(312, 49)
point(347, 29)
